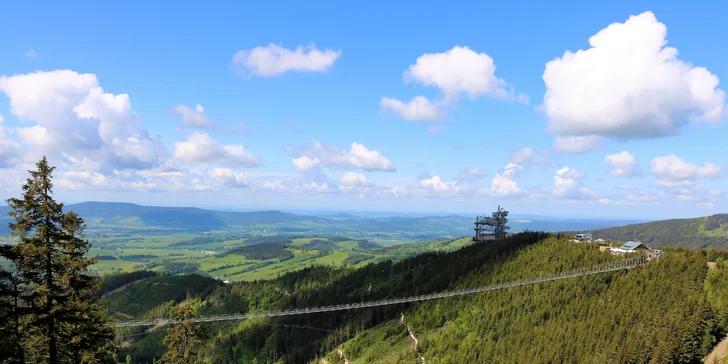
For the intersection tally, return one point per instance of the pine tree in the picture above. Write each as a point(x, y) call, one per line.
point(60, 319)
point(183, 339)
point(11, 313)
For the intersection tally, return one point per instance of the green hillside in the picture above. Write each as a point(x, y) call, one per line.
point(701, 232)
point(672, 310)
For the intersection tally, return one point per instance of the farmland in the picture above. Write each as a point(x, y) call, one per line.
point(245, 259)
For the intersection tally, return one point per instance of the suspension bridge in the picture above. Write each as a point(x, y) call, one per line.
point(579, 272)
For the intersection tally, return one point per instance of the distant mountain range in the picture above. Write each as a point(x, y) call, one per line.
point(699, 232)
point(115, 216)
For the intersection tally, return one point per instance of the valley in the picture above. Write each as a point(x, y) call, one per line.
point(128, 237)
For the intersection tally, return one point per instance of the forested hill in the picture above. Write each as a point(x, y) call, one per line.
point(672, 310)
point(700, 232)
point(106, 219)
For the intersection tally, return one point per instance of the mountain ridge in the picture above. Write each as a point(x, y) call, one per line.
point(700, 232)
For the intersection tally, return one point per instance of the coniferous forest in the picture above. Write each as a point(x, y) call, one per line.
point(673, 309)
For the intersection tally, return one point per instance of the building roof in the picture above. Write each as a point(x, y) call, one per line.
point(632, 245)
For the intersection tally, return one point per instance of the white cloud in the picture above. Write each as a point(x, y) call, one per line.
point(629, 84)
point(201, 148)
point(276, 186)
point(227, 178)
point(358, 157)
point(304, 163)
point(9, 149)
point(622, 164)
point(31, 53)
point(457, 71)
point(273, 60)
point(192, 117)
point(674, 184)
point(419, 108)
point(460, 70)
point(353, 179)
point(671, 167)
point(577, 144)
point(316, 187)
point(86, 123)
point(397, 191)
point(297, 186)
point(469, 175)
point(437, 184)
point(527, 155)
point(503, 183)
point(603, 201)
point(567, 184)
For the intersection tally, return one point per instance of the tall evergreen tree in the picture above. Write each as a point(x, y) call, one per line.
point(57, 311)
point(183, 339)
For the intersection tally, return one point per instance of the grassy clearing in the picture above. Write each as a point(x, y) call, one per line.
point(104, 267)
point(461, 242)
point(336, 258)
point(368, 346)
point(301, 259)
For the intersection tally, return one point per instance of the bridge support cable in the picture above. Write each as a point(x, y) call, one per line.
point(578, 272)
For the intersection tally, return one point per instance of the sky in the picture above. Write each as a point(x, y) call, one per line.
point(609, 109)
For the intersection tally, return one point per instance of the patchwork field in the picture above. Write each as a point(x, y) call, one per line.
point(234, 258)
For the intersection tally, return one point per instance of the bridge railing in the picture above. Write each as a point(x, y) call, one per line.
point(582, 271)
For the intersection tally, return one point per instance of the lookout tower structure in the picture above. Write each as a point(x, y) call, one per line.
point(491, 227)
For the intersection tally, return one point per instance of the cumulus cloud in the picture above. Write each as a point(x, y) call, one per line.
point(527, 155)
point(503, 184)
point(31, 53)
point(304, 163)
point(192, 117)
point(622, 164)
point(437, 184)
point(200, 148)
point(228, 178)
point(460, 70)
point(419, 108)
point(577, 144)
point(674, 184)
point(469, 175)
point(629, 84)
point(568, 184)
point(358, 157)
point(9, 149)
point(455, 72)
point(672, 168)
point(86, 123)
point(353, 179)
point(273, 60)
point(297, 186)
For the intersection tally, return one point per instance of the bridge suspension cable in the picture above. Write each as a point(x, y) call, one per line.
point(578, 272)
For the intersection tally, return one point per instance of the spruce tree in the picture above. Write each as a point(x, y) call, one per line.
point(183, 339)
point(58, 314)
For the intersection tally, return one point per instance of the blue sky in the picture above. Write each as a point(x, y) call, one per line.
point(279, 125)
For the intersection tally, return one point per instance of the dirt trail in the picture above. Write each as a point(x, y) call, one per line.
point(718, 352)
point(341, 355)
